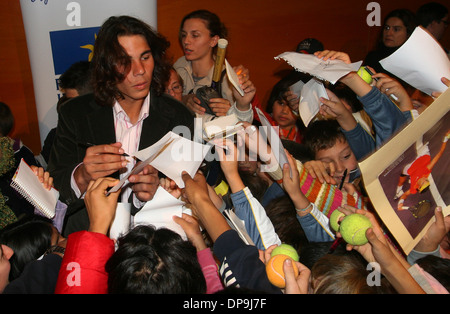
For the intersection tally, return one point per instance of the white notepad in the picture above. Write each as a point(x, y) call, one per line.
point(29, 186)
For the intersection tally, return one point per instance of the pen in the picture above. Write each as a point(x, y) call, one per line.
point(86, 145)
point(343, 179)
point(335, 244)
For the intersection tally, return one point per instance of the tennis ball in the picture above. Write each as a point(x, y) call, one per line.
point(334, 219)
point(353, 229)
point(286, 249)
point(365, 75)
point(275, 272)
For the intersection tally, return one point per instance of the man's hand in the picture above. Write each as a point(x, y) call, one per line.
point(99, 161)
point(145, 183)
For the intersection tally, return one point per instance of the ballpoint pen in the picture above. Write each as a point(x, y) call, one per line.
point(343, 179)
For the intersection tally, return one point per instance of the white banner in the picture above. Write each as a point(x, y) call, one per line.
point(62, 32)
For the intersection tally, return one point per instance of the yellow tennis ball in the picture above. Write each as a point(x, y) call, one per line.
point(365, 75)
point(286, 249)
point(275, 272)
point(334, 219)
point(353, 229)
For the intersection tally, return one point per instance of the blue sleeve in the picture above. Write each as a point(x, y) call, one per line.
point(257, 223)
point(386, 117)
point(361, 142)
point(316, 226)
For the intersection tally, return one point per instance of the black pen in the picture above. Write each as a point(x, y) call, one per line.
point(343, 179)
point(86, 145)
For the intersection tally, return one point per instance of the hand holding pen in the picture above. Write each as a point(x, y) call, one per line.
point(99, 161)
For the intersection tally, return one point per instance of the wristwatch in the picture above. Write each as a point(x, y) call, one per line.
point(56, 249)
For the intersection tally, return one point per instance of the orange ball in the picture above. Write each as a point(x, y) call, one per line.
point(275, 272)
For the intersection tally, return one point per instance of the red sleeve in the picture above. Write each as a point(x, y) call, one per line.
point(83, 267)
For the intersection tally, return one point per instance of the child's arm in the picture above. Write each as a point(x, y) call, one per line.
point(361, 142)
point(204, 255)
point(389, 86)
point(387, 118)
point(196, 192)
point(314, 223)
point(240, 263)
point(88, 251)
point(393, 266)
point(247, 208)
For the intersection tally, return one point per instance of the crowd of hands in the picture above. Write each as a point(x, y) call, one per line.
point(200, 197)
point(101, 208)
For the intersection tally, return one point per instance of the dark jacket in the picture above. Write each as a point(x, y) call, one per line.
point(82, 120)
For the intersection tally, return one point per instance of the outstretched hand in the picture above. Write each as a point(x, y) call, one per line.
point(101, 208)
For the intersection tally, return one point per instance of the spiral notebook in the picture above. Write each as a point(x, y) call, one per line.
point(29, 186)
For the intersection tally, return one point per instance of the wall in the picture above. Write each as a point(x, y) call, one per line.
point(16, 86)
point(259, 30)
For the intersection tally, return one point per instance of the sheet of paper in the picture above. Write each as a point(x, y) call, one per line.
point(273, 138)
point(310, 100)
point(238, 225)
point(233, 77)
point(146, 155)
point(171, 155)
point(421, 62)
point(297, 88)
point(122, 221)
point(159, 212)
point(330, 70)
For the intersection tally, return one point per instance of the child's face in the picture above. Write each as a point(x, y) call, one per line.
point(341, 156)
point(283, 114)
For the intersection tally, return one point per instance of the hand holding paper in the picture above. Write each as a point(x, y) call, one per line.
point(310, 100)
point(421, 62)
point(329, 70)
point(171, 155)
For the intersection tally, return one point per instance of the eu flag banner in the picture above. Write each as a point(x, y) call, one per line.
point(70, 46)
point(60, 33)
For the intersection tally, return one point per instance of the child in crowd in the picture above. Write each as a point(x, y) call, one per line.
point(279, 113)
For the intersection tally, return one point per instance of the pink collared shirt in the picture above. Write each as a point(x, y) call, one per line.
point(129, 135)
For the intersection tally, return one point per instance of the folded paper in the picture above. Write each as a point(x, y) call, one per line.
point(330, 70)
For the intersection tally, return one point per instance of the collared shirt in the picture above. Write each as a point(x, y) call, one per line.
point(129, 135)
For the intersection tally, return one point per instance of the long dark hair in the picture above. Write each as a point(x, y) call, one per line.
point(406, 16)
point(212, 21)
point(109, 54)
point(29, 238)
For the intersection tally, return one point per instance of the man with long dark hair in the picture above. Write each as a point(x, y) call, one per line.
point(127, 112)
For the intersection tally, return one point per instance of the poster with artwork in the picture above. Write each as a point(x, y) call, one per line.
point(408, 177)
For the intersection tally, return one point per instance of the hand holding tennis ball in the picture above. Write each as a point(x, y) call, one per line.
point(286, 249)
point(275, 271)
point(334, 219)
point(365, 75)
point(353, 229)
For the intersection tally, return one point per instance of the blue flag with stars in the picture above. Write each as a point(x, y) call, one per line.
point(70, 46)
